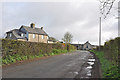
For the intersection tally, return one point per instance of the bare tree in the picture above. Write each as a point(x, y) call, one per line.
point(106, 6)
point(67, 37)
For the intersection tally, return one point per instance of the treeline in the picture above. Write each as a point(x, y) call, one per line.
point(13, 50)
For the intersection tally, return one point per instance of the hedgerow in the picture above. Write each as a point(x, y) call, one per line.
point(13, 50)
point(109, 56)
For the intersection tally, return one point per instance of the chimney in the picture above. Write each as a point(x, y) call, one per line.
point(32, 25)
point(41, 28)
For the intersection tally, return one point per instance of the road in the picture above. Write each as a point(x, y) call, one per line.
point(61, 66)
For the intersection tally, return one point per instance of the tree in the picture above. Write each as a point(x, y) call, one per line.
point(106, 6)
point(67, 37)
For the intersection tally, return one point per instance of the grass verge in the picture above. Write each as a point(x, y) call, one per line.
point(109, 70)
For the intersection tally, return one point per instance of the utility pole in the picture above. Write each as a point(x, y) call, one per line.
point(100, 33)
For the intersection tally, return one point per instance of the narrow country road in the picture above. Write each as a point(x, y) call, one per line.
point(61, 66)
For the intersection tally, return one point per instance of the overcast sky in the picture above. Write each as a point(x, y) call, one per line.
point(80, 18)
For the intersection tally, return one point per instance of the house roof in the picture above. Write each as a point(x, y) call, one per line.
point(16, 33)
point(35, 30)
point(12, 30)
point(52, 39)
point(87, 43)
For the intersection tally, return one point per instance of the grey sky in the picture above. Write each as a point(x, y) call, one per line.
point(81, 19)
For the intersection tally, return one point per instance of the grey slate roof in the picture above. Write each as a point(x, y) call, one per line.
point(35, 30)
point(12, 30)
point(16, 33)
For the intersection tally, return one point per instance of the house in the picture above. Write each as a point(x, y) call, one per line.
point(28, 33)
point(85, 46)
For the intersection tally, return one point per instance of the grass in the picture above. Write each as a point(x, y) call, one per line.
point(109, 70)
point(16, 57)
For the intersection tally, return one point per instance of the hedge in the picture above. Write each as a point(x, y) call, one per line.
point(109, 56)
point(12, 49)
point(111, 50)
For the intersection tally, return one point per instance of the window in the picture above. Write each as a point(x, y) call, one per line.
point(33, 35)
point(42, 36)
point(87, 46)
point(22, 34)
point(47, 37)
point(10, 34)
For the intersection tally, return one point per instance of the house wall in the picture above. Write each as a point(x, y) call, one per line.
point(87, 46)
point(44, 40)
point(31, 39)
point(21, 40)
point(12, 37)
point(38, 38)
point(50, 42)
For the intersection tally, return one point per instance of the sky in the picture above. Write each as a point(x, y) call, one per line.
point(79, 17)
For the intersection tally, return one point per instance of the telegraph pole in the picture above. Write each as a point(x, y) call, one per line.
point(100, 33)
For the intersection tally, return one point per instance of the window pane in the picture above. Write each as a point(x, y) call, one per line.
point(10, 34)
point(42, 36)
point(22, 34)
point(33, 35)
point(47, 37)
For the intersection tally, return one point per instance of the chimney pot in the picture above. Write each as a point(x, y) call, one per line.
point(32, 25)
point(41, 28)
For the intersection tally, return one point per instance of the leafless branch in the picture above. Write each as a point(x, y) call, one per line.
point(106, 6)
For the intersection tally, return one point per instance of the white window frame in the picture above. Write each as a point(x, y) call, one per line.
point(47, 37)
point(10, 34)
point(34, 35)
point(22, 34)
point(42, 37)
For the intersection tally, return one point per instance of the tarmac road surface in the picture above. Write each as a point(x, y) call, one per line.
point(61, 66)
